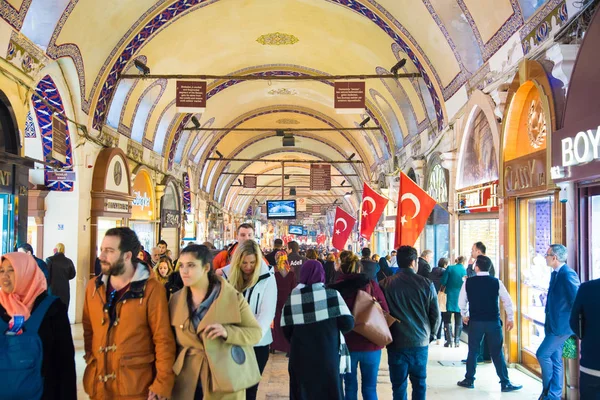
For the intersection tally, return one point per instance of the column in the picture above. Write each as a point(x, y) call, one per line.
point(449, 163)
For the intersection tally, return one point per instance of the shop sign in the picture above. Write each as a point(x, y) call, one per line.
point(120, 206)
point(141, 200)
point(170, 219)
point(190, 96)
point(61, 176)
point(250, 181)
point(479, 199)
point(59, 139)
point(525, 174)
point(316, 209)
point(575, 151)
point(349, 97)
point(320, 177)
point(5, 178)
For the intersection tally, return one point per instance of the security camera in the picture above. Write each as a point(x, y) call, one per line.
point(563, 195)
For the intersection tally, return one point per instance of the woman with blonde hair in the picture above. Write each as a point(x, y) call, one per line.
point(250, 275)
point(163, 269)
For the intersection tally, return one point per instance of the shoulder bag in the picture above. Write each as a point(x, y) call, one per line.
point(232, 368)
point(370, 319)
point(442, 299)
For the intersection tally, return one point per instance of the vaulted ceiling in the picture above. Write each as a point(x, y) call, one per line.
point(446, 41)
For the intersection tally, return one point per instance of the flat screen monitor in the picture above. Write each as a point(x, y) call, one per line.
point(281, 209)
point(304, 232)
point(295, 229)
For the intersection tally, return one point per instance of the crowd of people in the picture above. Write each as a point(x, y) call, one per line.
point(203, 326)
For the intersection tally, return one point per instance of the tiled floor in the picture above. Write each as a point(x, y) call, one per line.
point(441, 380)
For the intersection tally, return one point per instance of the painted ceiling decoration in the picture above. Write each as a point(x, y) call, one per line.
point(450, 43)
point(277, 39)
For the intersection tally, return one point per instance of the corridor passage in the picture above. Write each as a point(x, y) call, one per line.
point(441, 379)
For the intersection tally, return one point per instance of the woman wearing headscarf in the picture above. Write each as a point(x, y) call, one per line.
point(23, 291)
point(286, 281)
point(318, 351)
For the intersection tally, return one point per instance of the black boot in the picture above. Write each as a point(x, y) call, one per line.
point(457, 332)
point(448, 334)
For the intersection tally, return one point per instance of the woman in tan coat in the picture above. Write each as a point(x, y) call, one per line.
point(207, 308)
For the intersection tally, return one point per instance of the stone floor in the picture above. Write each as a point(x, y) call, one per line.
point(443, 372)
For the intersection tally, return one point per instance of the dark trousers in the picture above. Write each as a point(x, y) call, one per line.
point(589, 387)
point(408, 362)
point(493, 331)
point(262, 356)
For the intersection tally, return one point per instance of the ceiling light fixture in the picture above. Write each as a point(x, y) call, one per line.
point(364, 122)
point(342, 184)
point(286, 177)
point(292, 191)
point(196, 122)
point(288, 140)
point(398, 65)
point(219, 153)
point(347, 195)
point(240, 182)
point(279, 132)
point(351, 156)
point(143, 68)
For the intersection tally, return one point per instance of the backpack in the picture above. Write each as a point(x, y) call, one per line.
point(21, 357)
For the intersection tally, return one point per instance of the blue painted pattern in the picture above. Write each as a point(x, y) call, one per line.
point(47, 89)
point(29, 127)
point(187, 195)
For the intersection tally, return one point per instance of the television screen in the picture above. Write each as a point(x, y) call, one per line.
point(281, 209)
point(304, 232)
point(295, 229)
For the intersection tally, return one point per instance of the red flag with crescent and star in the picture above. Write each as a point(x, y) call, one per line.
point(414, 207)
point(372, 206)
point(342, 228)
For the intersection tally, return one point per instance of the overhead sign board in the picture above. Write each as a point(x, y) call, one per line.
point(320, 177)
point(62, 176)
point(578, 154)
point(301, 204)
point(190, 96)
point(316, 209)
point(59, 139)
point(349, 97)
point(250, 181)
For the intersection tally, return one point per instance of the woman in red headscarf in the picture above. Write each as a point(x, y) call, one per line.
point(286, 281)
point(23, 290)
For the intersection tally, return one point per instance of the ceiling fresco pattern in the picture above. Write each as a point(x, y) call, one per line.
point(448, 42)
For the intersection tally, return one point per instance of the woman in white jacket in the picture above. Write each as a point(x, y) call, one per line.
point(251, 276)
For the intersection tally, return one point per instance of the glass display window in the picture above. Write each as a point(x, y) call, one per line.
point(145, 233)
point(534, 238)
point(6, 221)
point(594, 239)
point(480, 230)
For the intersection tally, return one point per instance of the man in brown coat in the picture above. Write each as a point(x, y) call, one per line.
point(129, 344)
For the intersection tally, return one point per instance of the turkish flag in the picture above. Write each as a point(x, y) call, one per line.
point(342, 228)
point(372, 206)
point(414, 207)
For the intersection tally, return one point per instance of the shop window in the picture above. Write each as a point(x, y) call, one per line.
point(595, 239)
point(535, 236)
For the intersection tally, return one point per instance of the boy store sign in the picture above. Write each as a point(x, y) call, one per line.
point(584, 147)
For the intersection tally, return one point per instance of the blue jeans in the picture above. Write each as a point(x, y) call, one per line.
point(369, 367)
point(549, 355)
point(493, 333)
point(589, 387)
point(408, 362)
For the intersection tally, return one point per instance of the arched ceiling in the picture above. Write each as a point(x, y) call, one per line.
point(446, 41)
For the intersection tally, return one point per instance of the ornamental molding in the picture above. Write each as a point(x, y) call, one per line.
point(277, 39)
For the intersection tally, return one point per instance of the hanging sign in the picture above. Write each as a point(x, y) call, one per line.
point(316, 209)
point(320, 177)
point(120, 206)
point(170, 219)
point(61, 176)
point(301, 204)
point(349, 97)
point(59, 139)
point(525, 174)
point(190, 96)
point(249, 181)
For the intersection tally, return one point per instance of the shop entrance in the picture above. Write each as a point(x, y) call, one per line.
point(534, 236)
point(6, 221)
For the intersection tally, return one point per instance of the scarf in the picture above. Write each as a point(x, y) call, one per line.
point(28, 284)
point(282, 261)
point(311, 272)
point(312, 304)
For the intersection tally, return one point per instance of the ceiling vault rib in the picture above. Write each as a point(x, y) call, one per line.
point(294, 175)
point(285, 161)
point(285, 129)
point(273, 77)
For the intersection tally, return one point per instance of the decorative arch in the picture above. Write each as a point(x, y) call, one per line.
point(9, 135)
point(47, 89)
point(122, 94)
point(144, 108)
point(390, 117)
point(479, 149)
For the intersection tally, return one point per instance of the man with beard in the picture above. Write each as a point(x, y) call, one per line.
point(129, 344)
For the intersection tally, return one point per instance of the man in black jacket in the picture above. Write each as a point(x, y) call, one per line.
point(413, 300)
point(277, 245)
point(368, 266)
point(294, 258)
point(425, 263)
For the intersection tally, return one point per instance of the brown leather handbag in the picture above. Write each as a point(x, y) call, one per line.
point(370, 319)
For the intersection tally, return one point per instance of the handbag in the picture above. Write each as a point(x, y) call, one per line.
point(370, 320)
point(442, 299)
point(232, 367)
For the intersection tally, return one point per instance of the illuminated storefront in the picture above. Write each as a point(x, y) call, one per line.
point(143, 218)
point(437, 232)
point(531, 215)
